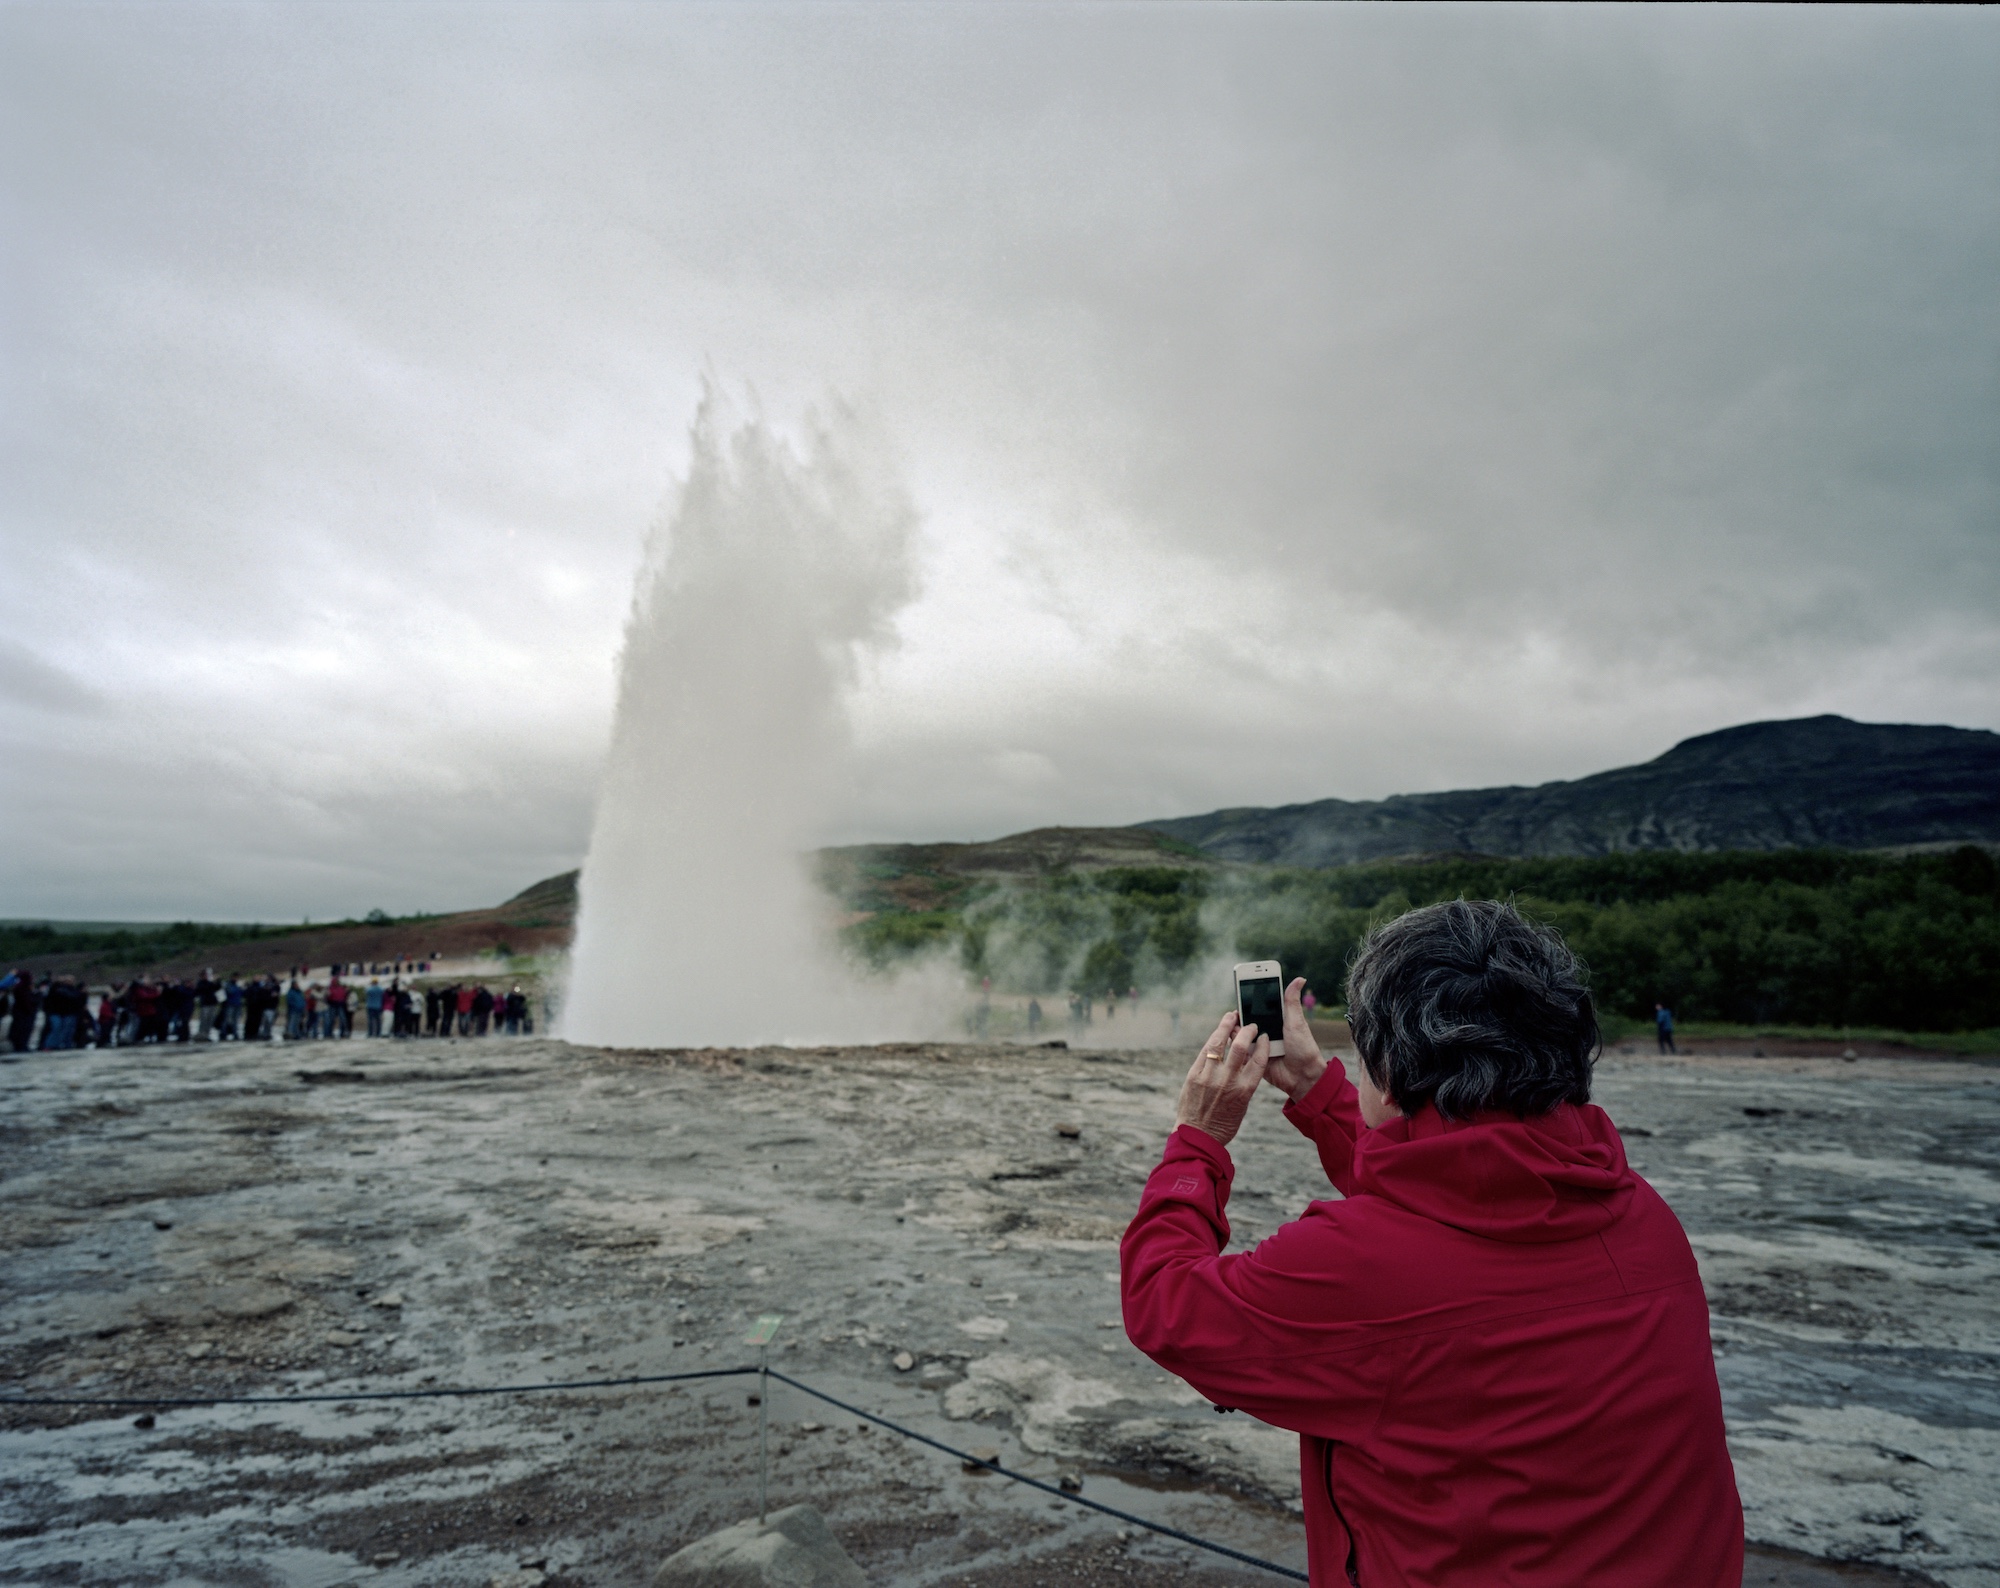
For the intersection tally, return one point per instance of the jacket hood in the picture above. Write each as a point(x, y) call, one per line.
point(1557, 1177)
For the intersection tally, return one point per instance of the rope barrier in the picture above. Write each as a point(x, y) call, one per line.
point(1035, 1483)
point(964, 1456)
point(369, 1395)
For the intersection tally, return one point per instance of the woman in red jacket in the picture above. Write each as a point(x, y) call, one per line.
point(1495, 1348)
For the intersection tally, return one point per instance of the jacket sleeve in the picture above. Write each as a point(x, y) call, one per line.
point(1262, 1332)
point(1330, 1116)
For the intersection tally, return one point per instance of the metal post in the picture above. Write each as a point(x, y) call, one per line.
point(760, 1336)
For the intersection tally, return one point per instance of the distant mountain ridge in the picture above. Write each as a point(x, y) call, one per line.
point(1811, 782)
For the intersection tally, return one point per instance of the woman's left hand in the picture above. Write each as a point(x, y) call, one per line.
point(1225, 1076)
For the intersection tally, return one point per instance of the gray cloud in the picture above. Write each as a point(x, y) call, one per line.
point(28, 681)
point(1301, 401)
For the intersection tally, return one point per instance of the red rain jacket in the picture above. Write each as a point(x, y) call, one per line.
point(1495, 1351)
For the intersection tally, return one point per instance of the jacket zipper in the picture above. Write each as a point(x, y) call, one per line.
point(1353, 1562)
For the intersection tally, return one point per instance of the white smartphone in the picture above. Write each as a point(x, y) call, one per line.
point(1260, 1000)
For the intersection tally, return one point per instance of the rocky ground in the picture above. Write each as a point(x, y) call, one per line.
point(936, 1226)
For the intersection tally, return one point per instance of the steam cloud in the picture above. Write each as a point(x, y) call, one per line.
point(766, 581)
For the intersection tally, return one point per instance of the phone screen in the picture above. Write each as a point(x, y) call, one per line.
point(1262, 999)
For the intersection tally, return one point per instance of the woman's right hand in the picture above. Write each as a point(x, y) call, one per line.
point(1223, 1080)
point(1298, 1072)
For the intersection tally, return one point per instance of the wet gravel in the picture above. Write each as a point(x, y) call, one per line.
point(937, 1228)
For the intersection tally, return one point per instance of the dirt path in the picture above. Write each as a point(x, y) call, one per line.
point(341, 1216)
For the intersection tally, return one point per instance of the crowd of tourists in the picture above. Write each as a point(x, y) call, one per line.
point(58, 1012)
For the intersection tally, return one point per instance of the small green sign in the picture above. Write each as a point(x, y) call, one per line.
point(764, 1329)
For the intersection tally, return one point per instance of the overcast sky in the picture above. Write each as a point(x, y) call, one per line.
point(1299, 401)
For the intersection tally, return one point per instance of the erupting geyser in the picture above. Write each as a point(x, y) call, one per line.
point(768, 577)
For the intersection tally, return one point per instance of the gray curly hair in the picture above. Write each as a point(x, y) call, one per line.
point(1471, 1006)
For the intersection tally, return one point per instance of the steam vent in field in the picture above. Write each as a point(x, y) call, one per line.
point(1815, 782)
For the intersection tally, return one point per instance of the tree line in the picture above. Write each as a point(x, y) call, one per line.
point(1804, 937)
point(123, 946)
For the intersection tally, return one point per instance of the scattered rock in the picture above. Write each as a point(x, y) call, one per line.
point(980, 1453)
point(199, 1349)
point(526, 1577)
point(791, 1550)
point(1069, 1132)
point(388, 1557)
point(163, 1224)
point(811, 1428)
point(204, 1303)
point(903, 1361)
point(342, 1337)
point(985, 1328)
point(388, 1298)
point(143, 1420)
point(1070, 1483)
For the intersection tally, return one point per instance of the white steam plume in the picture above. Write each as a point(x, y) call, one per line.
point(766, 580)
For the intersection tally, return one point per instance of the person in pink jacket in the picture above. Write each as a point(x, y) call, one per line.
point(1494, 1347)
